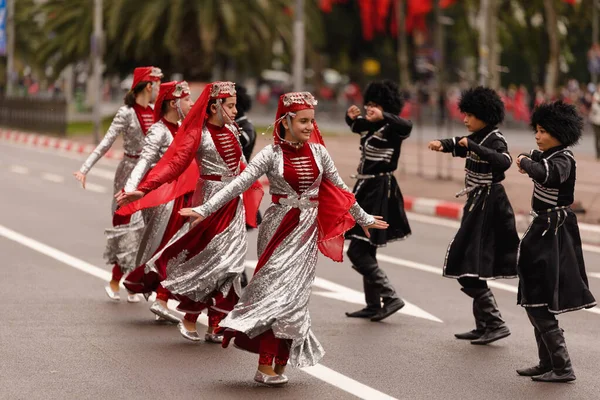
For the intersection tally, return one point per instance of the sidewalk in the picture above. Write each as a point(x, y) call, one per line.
point(428, 180)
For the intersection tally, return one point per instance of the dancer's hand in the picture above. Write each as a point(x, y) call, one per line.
point(435, 145)
point(464, 142)
point(519, 164)
point(125, 198)
point(353, 112)
point(378, 224)
point(80, 177)
point(195, 218)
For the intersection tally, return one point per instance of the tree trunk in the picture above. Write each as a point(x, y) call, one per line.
point(552, 68)
point(494, 45)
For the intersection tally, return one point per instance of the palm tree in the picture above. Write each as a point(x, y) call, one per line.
point(191, 34)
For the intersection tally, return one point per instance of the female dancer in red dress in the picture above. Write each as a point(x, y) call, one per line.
point(311, 210)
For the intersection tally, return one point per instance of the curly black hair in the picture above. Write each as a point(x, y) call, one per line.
point(484, 104)
point(560, 120)
point(385, 94)
point(244, 102)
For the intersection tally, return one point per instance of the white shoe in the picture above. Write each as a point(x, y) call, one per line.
point(115, 296)
point(163, 313)
point(270, 380)
point(189, 335)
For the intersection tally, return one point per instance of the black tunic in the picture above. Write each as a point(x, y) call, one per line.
point(376, 189)
point(247, 136)
point(485, 245)
point(550, 263)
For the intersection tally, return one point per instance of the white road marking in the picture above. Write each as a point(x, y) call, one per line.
point(343, 293)
point(594, 274)
point(53, 177)
point(320, 372)
point(18, 169)
point(92, 187)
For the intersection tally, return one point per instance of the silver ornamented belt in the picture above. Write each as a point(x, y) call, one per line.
point(469, 189)
point(535, 214)
point(371, 176)
point(302, 203)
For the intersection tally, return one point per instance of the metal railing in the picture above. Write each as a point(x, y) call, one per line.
point(33, 114)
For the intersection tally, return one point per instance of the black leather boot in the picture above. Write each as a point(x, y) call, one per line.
point(544, 365)
point(562, 370)
point(477, 314)
point(495, 327)
point(391, 302)
point(373, 301)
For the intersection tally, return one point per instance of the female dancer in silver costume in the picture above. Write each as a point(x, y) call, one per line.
point(163, 221)
point(132, 121)
point(311, 210)
point(202, 264)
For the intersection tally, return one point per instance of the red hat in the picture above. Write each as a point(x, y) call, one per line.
point(143, 74)
point(291, 103)
point(170, 91)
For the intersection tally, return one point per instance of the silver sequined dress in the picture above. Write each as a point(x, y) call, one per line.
point(194, 274)
point(122, 241)
point(277, 296)
point(157, 141)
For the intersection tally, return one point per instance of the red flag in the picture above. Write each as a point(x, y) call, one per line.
point(415, 16)
point(326, 5)
point(366, 17)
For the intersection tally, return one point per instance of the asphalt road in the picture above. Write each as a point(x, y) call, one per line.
point(61, 338)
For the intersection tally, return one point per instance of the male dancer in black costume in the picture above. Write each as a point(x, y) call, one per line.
point(377, 192)
point(485, 246)
point(552, 277)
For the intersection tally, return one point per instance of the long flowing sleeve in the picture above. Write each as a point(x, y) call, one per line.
point(118, 125)
point(259, 166)
point(153, 141)
point(330, 173)
point(170, 168)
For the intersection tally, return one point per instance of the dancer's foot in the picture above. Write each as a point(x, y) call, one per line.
point(212, 337)
point(265, 374)
point(187, 331)
point(279, 369)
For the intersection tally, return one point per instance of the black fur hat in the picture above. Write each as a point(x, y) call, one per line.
point(484, 104)
point(385, 94)
point(244, 102)
point(560, 120)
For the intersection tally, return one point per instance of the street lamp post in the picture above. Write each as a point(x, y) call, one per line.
point(97, 68)
point(298, 68)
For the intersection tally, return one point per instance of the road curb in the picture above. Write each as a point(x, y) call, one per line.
point(590, 234)
point(50, 142)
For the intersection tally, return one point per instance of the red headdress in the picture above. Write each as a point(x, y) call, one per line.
point(177, 172)
point(289, 104)
point(146, 74)
point(169, 91)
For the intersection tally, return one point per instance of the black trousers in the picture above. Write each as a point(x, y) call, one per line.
point(376, 284)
